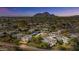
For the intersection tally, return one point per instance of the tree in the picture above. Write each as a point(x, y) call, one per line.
point(37, 39)
point(44, 45)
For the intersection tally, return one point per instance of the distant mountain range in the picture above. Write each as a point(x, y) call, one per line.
point(44, 14)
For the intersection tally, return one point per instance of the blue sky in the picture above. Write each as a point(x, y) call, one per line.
point(30, 11)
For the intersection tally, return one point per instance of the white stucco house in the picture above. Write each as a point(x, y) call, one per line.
point(25, 39)
point(65, 39)
point(18, 35)
point(53, 37)
point(50, 40)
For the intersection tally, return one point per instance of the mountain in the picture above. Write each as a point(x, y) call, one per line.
point(45, 14)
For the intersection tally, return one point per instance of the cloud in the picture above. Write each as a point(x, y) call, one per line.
point(4, 10)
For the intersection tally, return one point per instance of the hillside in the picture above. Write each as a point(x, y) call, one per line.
point(43, 30)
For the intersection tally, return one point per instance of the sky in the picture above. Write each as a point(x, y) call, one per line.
point(30, 11)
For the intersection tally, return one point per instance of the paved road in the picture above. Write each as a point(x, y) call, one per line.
point(29, 48)
point(20, 48)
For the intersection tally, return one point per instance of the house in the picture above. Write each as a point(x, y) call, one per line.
point(50, 40)
point(43, 34)
point(25, 39)
point(59, 36)
point(65, 39)
point(53, 37)
point(18, 35)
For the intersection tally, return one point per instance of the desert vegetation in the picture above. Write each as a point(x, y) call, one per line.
point(42, 31)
